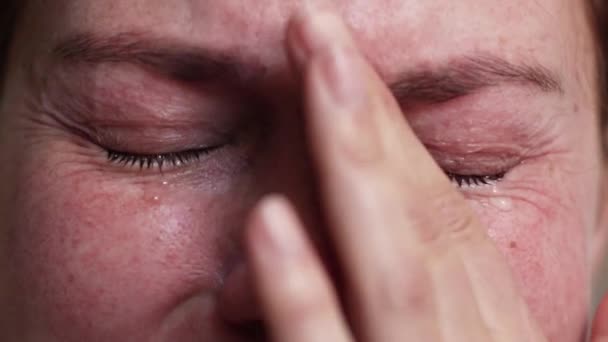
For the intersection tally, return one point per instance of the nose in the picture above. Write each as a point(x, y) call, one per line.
point(284, 167)
point(237, 300)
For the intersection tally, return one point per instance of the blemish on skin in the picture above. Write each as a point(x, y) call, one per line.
point(513, 245)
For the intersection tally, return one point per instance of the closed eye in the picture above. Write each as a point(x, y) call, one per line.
point(149, 161)
point(474, 180)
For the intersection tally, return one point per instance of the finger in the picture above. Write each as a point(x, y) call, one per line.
point(504, 310)
point(295, 292)
point(396, 220)
point(350, 120)
point(599, 333)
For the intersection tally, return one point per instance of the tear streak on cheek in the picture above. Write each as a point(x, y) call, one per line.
point(91, 252)
point(544, 241)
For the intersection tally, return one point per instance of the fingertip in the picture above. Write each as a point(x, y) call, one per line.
point(274, 229)
point(311, 30)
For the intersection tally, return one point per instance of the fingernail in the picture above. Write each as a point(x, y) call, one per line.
point(341, 75)
point(322, 41)
point(311, 32)
point(280, 227)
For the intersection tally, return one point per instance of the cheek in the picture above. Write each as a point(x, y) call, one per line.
point(544, 239)
point(91, 253)
point(103, 255)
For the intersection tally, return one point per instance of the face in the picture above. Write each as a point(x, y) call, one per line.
point(136, 135)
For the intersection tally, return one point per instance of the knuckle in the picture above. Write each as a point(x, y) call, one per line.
point(409, 292)
point(360, 140)
point(360, 147)
point(443, 218)
point(406, 288)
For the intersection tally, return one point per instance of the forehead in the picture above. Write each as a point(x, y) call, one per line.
point(397, 36)
point(391, 32)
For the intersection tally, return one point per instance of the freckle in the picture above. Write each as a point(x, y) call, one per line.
point(575, 109)
point(513, 245)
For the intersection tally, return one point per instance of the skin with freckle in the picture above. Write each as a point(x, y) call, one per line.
point(94, 249)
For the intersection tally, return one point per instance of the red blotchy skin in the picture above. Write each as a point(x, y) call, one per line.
point(95, 251)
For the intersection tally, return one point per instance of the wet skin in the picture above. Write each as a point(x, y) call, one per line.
point(101, 242)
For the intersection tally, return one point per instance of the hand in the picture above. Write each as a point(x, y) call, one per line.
point(417, 264)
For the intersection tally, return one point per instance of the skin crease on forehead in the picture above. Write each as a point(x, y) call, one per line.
point(104, 255)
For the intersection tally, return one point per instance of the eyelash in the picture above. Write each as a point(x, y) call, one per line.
point(474, 180)
point(149, 161)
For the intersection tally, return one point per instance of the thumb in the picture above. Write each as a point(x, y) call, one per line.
point(599, 332)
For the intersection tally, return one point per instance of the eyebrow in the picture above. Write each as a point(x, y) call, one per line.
point(173, 59)
point(455, 78)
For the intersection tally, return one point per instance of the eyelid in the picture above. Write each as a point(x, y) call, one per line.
point(238, 143)
point(481, 162)
point(157, 140)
